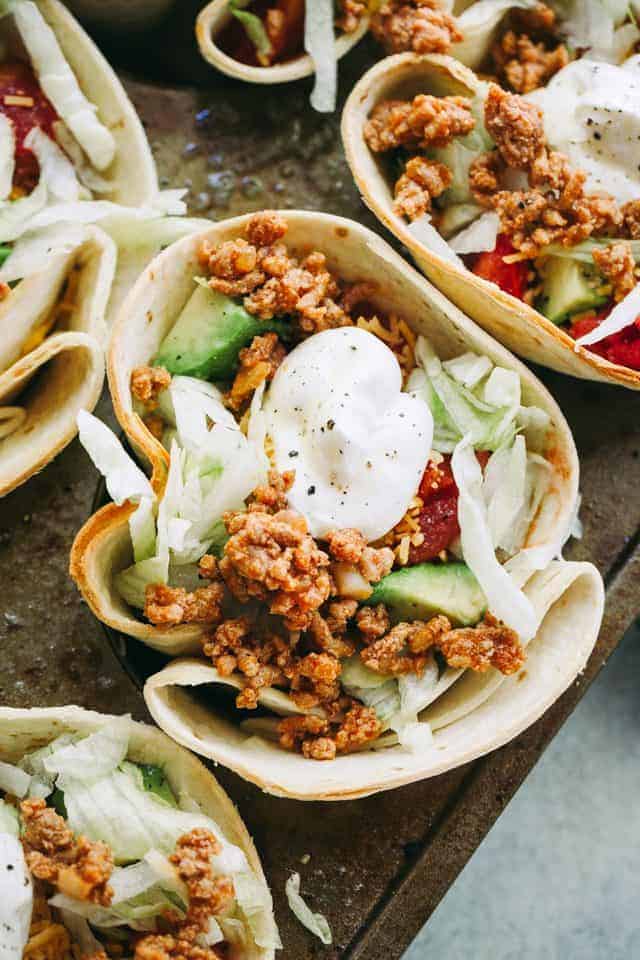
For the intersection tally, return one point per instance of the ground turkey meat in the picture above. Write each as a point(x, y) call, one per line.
point(78, 867)
point(421, 181)
point(524, 65)
point(419, 25)
point(258, 362)
point(516, 125)
point(425, 121)
point(490, 644)
point(169, 606)
point(210, 894)
point(616, 264)
point(147, 383)
point(322, 739)
point(273, 283)
point(349, 546)
point(272, 557)
point(352, 12)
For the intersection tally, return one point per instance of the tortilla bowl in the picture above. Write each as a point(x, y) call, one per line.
point(511, 321)
point(215, 17)
point(25, 730)
point(103, 548)
point(64, 374)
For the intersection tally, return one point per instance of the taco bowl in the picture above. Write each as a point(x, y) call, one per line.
point(154, 798)
point(520, 325)
point(225, 46)
point(70, 139)
point(393, 540)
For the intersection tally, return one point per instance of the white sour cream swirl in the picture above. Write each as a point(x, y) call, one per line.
point(336, 414)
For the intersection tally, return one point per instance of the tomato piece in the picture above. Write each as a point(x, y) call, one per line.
point(622, 347)
point(438, 518)
point(17, 79)
point(510, 277)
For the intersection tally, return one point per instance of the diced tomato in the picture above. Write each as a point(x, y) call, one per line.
point(510, 277)
point(438, 519)
point(622, 347)
point(17, 79)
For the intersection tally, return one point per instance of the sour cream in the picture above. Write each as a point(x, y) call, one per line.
point(337, 415)
point(592, 114)
point(16, 898)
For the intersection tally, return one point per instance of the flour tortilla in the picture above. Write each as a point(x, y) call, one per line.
point(103, 547)
point(61, 376)
point(215, 16)
point(69, 363)
point(512, 322)
point(24, 730)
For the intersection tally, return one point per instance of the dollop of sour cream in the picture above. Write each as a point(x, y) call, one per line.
point(592, 114)
point(337, 415)
point(16, 898)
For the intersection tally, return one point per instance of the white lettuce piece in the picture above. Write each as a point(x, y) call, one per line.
point(505, 600)
point(316, 923)
point(320, 44)
point(33, 252)
point(9, 822)
point(479, 236)
point(60, 85)
point(56, 169)
point(142, 527)
point(7, 156)
point(92, 757)
point(13, 780)
point(622, 316)
point(124, 479)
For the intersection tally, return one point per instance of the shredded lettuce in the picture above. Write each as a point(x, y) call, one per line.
point(316, 923)
point(16, 898)
point(14, 214)
point(7, 156)
point(320, 44)
point(91, 757)
point(505, 600)
point(33, 252)
point(9, 822)
point(13, 780)
point(592, 24)
point(487, 418)
point(622, 316)
point(254, 28)
point(479, 236)
point(142, 527)
point(424, 232)
point(56, 169)
point(60, 85)
point(124, 480)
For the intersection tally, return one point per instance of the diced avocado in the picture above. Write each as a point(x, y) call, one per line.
point(208, 335)
point(154, 781)
point(569, 287)
point(56, 800)
point(422, 591)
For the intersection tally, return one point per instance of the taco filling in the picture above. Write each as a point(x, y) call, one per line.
point(340, 501)
point(539, 195)
point(99, 858)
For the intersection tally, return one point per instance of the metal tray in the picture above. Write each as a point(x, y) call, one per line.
point(378, 866)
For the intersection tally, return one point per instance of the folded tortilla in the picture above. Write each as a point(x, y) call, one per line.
point(38, 413)
point(47, 386)
point(511, 321)
point(22, 731)
point(567, 597)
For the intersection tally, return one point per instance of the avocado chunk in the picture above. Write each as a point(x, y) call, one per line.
point(208, 335)
point(426, 589)
point(155, 781)
point(569, 287)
